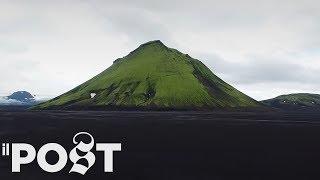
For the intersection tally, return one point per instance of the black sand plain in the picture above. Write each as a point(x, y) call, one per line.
point(175, 145)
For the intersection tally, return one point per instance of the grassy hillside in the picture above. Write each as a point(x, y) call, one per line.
point(294, 100)
point(153, 76)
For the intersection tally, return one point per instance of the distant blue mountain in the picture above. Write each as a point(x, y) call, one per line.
point(19, 98)
point(22, 96)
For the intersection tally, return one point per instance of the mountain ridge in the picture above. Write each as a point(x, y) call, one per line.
point(294, 101)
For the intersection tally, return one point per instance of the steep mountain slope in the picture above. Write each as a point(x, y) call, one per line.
point(300, 100)
point(153, 77)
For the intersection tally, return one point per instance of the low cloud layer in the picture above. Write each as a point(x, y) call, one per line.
point(264, 48)
point(5, 101)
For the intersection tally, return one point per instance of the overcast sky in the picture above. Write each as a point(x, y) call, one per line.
point(263, 48)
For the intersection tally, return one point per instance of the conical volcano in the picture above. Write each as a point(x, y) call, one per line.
point(153, 77)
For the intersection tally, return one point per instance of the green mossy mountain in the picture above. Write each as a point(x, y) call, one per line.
point(299, 100)
point(153, 77)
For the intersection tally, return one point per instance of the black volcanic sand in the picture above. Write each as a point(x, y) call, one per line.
point(176, 145)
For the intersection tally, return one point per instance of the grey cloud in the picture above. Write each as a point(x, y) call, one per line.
point(10, 47)
point(137, 23)
point(261, 70)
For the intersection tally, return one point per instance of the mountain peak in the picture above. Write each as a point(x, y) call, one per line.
point(151, 46)
point(22, 96)
point(154, 43)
